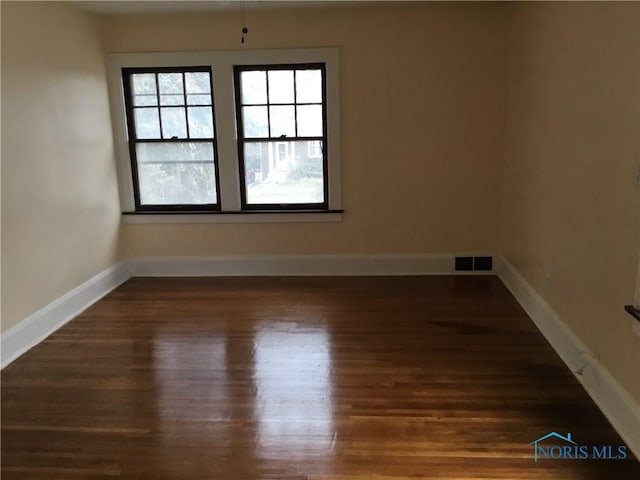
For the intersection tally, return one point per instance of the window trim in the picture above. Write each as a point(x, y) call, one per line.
point(222, 63)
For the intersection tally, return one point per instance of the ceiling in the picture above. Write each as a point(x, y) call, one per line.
point(120, 7)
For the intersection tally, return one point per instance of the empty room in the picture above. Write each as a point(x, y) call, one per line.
point(320, 240)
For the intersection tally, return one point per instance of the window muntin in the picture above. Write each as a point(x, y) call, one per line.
point(172, 141)
point(281, 116)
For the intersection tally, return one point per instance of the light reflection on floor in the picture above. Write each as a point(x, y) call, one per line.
point(294, 394)
point(206, 377)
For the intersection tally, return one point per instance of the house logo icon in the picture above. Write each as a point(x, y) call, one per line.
point(535, 443)
point(559, 447)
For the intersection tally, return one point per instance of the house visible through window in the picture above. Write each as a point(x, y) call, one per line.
point(281, 112)
point(172, 142)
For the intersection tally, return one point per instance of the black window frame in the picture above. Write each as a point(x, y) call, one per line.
point(241, 139)
point(127, 73)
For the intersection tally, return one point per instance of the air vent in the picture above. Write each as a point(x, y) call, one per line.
point(473, 264)
point(464, 264)
point(482, 264)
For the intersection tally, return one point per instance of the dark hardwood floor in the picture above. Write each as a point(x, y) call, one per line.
point(298, 378)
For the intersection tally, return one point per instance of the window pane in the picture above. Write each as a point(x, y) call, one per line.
point(282, 173)
point(283, 121)
point(177, 184)
point(308, 86)
point(144, 89)
point(197, 82)
point(170, 82)
point(255, 122)
point(281, 86)
point(199, 99)
point(254, 87)
point(310, 121)
point(147, 123)
point(174, 152)
point(145, 100)
point(143, 83)
point(177, 99)
point(173, 122)
point(200, 122)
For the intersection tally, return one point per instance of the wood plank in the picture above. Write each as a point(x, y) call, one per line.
point(298, 378)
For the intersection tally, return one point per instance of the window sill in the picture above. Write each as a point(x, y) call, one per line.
point(298, 216)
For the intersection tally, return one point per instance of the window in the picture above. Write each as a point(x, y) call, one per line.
point(315, 149)
point(231, 133)
point(274, 103)
point(171, 137)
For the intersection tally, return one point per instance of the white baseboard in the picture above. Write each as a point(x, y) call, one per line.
point(614, 401)
point(339, 265)
point(39, 325)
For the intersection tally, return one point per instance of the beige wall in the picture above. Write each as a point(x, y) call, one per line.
point(422, 92)
point(570, 209)
point(60, 213)
point(438, 154)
